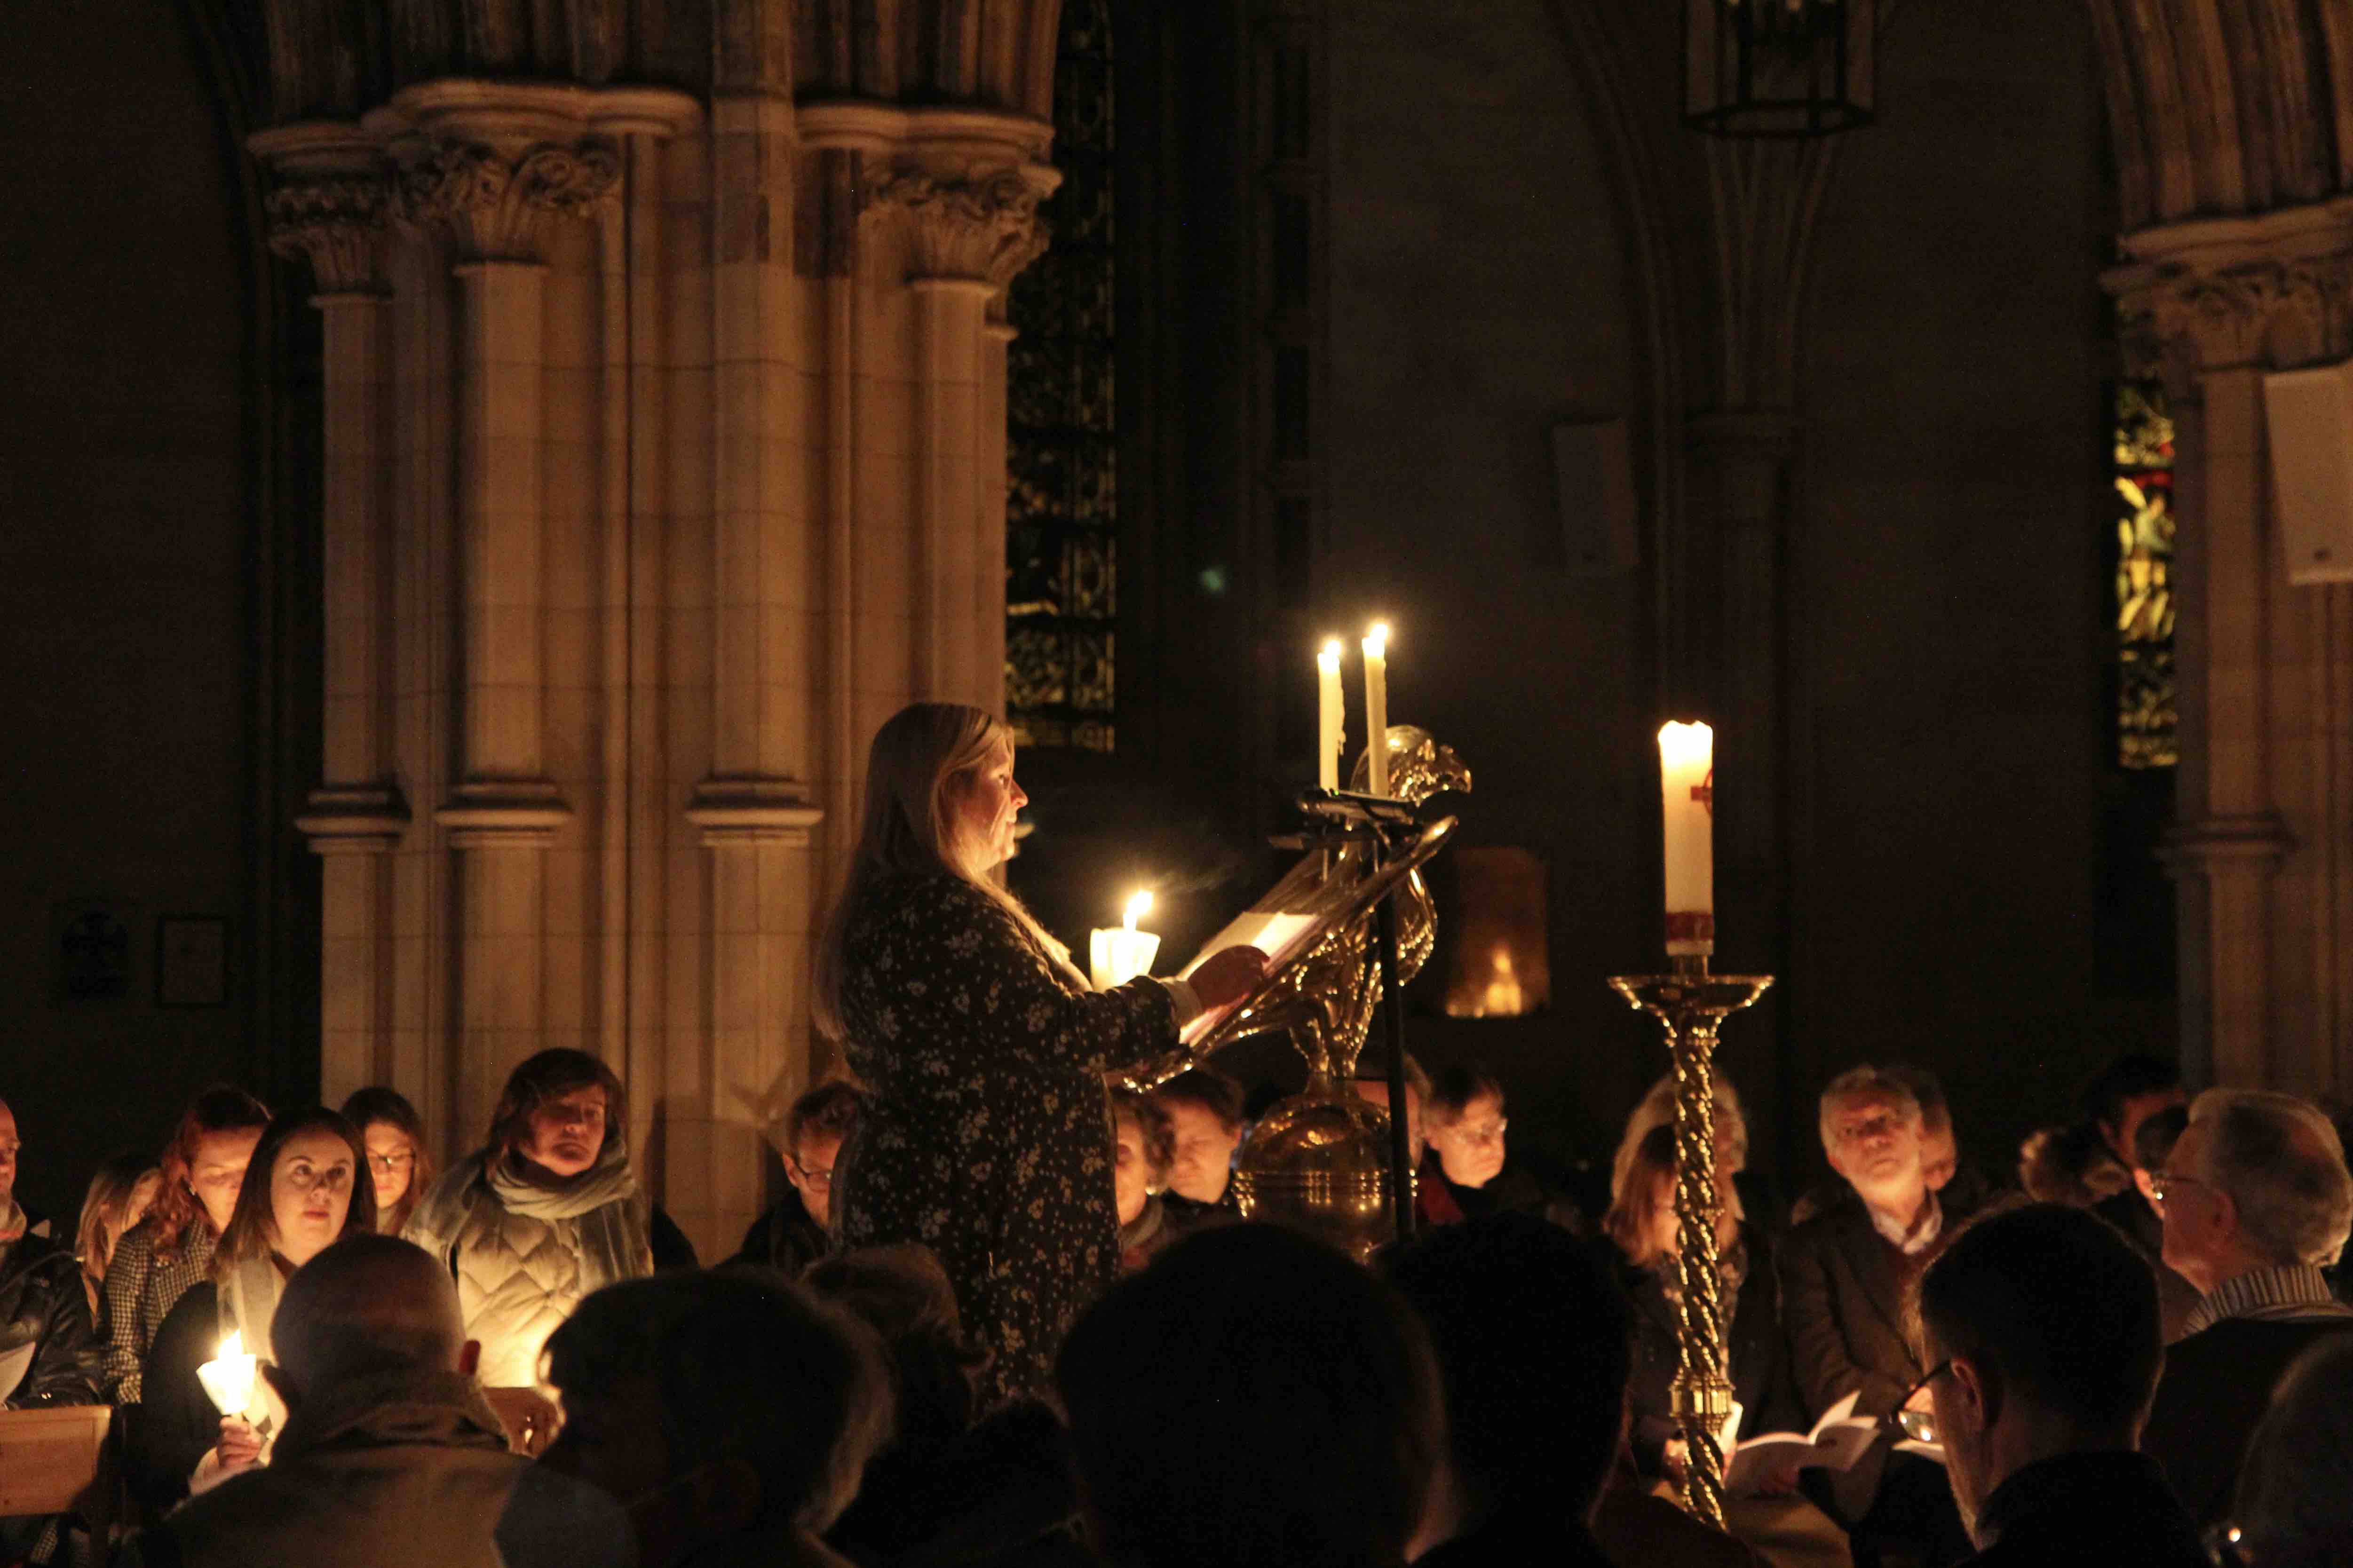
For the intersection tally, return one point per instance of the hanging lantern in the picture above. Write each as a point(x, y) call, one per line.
point(1777, 68)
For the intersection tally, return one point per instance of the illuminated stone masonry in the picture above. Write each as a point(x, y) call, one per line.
point(664, 442)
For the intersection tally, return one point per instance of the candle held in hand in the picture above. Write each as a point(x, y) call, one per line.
point(1329, 737)
point(1376, 705)
point(1687, 780)
point(1114, 957)
point(229, 1378)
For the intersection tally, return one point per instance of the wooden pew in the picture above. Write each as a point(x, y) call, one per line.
point(59, 1461)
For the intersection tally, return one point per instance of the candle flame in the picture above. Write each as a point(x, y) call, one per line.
point(1137, 907)
point(1377, 641)
point(232, 1346)
point(1686, 742)
point(1328, 660)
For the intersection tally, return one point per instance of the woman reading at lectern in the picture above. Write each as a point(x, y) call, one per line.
point(987, 1134)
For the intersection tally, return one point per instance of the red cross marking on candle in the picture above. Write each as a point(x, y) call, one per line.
point(1703, 791)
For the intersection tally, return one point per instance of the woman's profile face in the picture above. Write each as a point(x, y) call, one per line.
point(987, 803)
point(217, 1169)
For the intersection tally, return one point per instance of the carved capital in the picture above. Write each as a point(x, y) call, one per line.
point(494, 205)
point(2272, 293)
point(338, 224)
point(980, 226)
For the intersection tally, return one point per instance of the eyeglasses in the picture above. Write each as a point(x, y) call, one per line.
point(388, 1163)
point(2162, 1180)
point(1920, 1425)
point(820, 1180)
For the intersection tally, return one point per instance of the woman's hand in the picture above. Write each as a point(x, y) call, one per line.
point(239, 1450)
point(1228, 975)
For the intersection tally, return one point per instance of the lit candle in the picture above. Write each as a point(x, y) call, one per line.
point(1118, 954)
point(1328, 737)
point(229, 1378)
point(1376, 705)
point(1687, 778)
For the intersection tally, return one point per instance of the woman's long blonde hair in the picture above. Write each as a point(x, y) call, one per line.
point(908, 826)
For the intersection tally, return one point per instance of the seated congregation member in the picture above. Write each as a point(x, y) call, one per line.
point(389, 1456)
point(729, 1416)
point(399, 1159)
point(2256, 1200)
point(1466, 1172)
point(2042, 1325)
point(1253, 1400)
point(1845, 1277)
point(302, 1192)
point(48, 1352)
point(2294, 1500)
point(2128, 1091)
point(945, 1491)
point(1205, 1108)
point(546, 1213)
point(1144, 1144)
point(1957, 1184)
point(797, 1229)
point(985, 1133)
point(120, 1194)
point(1657, 1109)
point(2135, 1212)
point(1531, 1340)
point(1641, 1224)
point(2069, 1165)
point(202, 1170)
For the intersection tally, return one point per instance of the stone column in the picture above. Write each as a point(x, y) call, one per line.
point(2261, 811)
point(329, 207)
point(486, 169)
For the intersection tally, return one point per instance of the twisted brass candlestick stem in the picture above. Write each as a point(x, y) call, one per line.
point(1690, 1004)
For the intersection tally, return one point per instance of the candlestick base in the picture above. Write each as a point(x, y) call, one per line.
point(1690, 1005)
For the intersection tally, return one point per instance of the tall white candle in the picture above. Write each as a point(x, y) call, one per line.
point(1116, 955)
point(1376, 705)
point(1687, 780)
point(1328, 735)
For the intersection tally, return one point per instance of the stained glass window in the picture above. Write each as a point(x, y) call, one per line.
point(1062, 567)
point(2144, 585)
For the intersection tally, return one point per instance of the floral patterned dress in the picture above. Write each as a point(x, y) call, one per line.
point(987, 1134)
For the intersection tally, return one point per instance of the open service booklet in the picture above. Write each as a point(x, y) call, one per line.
point(1836, 1442)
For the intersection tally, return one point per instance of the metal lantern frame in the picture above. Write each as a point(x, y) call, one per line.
point(1778, 69)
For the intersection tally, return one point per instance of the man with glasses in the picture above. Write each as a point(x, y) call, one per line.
point(2256, 1200)
point(2044, 1327)
point(1845, 1275)
point(798, 1230)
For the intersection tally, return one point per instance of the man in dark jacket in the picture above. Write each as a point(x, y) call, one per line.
point(2042, 1324)
point(798, 1228)
point(48, 1352)
point(2256, 1198)
point(1845, 1276)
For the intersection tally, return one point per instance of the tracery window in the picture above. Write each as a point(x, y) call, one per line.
point(2143, 601)
point(1061, 568)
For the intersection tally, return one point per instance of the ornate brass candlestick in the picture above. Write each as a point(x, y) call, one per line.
point(1690, 1004)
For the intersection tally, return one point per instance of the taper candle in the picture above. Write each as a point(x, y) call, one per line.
point(1376, 705)
point(1329, 737)
point(1687, 780)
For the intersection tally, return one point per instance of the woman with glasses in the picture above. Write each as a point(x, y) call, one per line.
point(302, 1191)
point(398, 1165)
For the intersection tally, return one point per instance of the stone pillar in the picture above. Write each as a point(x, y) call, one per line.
point(2264, 805)
point(329, 209)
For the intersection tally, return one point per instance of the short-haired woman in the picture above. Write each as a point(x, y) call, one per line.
point(985, 1134)
point(302, 1191)
point(547, 1212)
point(172, 1249)
point(399, 1160)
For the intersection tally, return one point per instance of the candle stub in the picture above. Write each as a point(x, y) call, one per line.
point(1687, 788)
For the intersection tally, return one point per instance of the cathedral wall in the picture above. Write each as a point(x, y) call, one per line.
point(126, 592)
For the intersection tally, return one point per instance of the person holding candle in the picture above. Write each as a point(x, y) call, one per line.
point(986, 1133)
point(302, 1191)
point(399, 1162)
